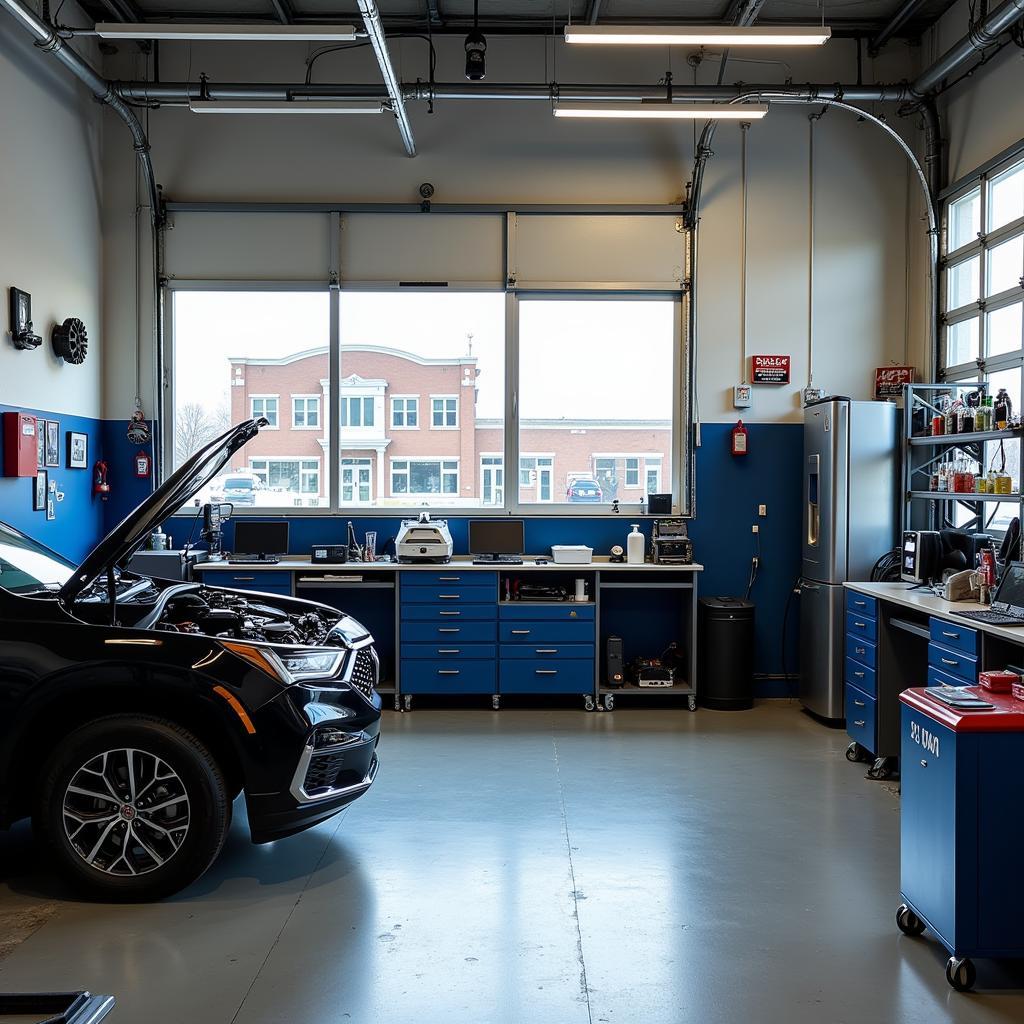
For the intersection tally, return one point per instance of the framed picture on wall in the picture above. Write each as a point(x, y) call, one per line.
point(40, 491)
point(40, 444)
point(78, 450)
point(52, 443)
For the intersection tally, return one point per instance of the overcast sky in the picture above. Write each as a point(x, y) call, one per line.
point(608, 358)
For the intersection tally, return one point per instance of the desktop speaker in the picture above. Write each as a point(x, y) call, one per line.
point(615, 665)
point(659, 504)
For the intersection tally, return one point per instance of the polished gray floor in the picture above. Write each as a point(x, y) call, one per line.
point(527, 867)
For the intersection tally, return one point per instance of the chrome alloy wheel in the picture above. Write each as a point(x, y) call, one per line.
point(126, 812)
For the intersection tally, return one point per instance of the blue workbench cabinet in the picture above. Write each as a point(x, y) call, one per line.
point(962, 828)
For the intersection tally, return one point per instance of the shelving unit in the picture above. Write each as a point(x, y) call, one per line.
point(924, 509)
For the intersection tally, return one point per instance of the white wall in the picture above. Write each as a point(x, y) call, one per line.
point(50, 245)
point(518, 153)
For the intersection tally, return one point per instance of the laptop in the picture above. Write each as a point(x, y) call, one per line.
point(1007, 602)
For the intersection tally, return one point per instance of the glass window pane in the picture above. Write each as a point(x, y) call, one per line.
point(964, 220)
point(962, 283)
point(450, 345)
point(233, 352)
point(1006, 197)
point(1005, 265)
point(1003, 330)
point(618, 356)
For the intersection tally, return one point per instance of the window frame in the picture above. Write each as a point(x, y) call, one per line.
point(441, 471)
point(276, 425)
point(457, 425)
point(306, 399)
point(405, 400)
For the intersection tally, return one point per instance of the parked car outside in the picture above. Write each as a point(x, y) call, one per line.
point(584, 489)
point(134, 710)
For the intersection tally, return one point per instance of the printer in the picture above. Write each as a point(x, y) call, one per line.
point(424, 540)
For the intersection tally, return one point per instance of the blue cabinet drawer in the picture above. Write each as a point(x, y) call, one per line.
point(572, 676)
point(448, 677)
point(439, 613)
point(954, 636)
point(862, 625)
point(860, 676)
point(566, 611)
point(450, 651)
point(936, 677)
point(861, 604)
point(443, 632)
point(860, 717)
point(861, 650)
point(271, 582)
point(448, 593)
point(545, 632)
point(445, 577)
point(547, 651)
point(963, 666)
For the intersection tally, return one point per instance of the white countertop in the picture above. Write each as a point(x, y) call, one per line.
point(296, 564)
point(925, 601)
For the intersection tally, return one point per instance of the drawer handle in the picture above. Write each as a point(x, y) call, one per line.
point(859, 675)
point(952, 636)
point(859, 723)
point(445, 611)
point(860, 650)
point(860, 625)
point(449, 579)
point(245, 579)
point(449, 629)
point(448, 597)
point(860, 703)
point(547, 650)
point(861, 604)
point(448, 650)
point(448, 671)
point(520, 632)
point(950, 661)
point(546, 671)
point(924, 764)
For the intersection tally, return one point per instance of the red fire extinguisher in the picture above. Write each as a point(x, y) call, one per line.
point(739, 439)
point(99, 482)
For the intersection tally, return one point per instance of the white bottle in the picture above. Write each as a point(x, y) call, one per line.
point(635, 546)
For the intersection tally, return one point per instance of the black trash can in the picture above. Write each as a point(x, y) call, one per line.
point(726, 678)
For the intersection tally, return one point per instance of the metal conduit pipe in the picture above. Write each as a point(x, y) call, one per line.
point(977, 39)
point(906, 11)
point(375, 30)
point(48, 41)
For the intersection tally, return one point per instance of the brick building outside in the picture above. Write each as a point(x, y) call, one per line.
point(410, 436)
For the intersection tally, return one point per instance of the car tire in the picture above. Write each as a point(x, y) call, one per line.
point(164, 829)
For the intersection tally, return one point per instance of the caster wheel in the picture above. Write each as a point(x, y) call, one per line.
point(496, 702)
point(692, 703)
point(881, 770)
point(609, 702)
point(961, 973)
point(856, 753)
point(908, 922)
point(408, 702)
point(588, 704)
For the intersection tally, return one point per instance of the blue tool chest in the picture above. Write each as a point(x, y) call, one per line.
point(861, 699)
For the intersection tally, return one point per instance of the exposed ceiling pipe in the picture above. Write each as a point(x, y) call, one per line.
point(906, 11)
point(375, 30)
point(593, 12)
point(977, 39)
point(284, 11)
point(434, 13)
point(122, 10)
point(48, 41)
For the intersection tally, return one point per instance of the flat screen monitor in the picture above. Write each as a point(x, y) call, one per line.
point(1010, 593)
point(496, 537)
point(256, 538)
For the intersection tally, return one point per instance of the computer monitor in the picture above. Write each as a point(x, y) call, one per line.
point(496, 537)
point(1009, 595)
point(261, 538)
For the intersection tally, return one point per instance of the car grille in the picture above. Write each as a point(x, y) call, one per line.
point(328, 771)
point(365, 671)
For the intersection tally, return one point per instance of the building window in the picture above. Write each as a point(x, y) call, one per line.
point(444, 412)
point(536, 473)
point(632, 472)
point(653, 481)
point(356, 411)
point(305, 412)
point(291, 479)
point(265, 406)
point(405, 412)
point(492, 479)
point(425, 477)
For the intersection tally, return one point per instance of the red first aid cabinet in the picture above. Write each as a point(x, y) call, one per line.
point(962, 828)
point(20, 452)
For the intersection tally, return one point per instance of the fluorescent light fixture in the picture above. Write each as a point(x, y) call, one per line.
point(285, 107)
point(666, 111)
point(698, 35)
point(227, 33)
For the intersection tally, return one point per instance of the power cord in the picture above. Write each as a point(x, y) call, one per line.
point(755, 565)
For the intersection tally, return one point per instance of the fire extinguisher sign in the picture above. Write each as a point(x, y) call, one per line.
point(769, 369)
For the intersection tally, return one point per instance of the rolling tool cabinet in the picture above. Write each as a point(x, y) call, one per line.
point(961, 828)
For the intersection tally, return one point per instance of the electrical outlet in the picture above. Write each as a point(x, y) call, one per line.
point(762, 510)
point(755, 528)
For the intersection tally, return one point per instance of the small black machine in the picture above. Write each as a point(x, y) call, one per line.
point(670, 543)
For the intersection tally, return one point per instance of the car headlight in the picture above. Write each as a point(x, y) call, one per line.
point(289, 665)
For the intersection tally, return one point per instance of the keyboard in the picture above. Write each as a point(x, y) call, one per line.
point(992, 618)
point(252, 560)
point(497, 561)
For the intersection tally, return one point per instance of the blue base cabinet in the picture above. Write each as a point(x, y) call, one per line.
point(861, 698)
point(961, 831)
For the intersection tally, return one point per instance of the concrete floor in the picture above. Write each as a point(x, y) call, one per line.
point(542, 867)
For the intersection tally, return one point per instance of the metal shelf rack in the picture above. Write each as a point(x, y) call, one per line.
point(924, 509)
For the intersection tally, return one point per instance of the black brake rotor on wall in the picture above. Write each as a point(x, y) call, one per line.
point(70, 340)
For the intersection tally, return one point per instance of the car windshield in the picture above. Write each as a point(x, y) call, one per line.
point(239, 485)
point(27, 567)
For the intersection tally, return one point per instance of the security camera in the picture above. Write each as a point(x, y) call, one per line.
point(476, 50)
point(426, 190)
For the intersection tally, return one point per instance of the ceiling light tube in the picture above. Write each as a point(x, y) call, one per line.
point(665, 111)
point(286, 107)
point(268, 33)
point(698, 35)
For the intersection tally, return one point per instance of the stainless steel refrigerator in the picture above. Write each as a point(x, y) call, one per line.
point(849, 521)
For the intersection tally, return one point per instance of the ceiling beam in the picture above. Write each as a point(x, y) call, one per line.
point(375, 31)
point(284, 11)
point(906, 11)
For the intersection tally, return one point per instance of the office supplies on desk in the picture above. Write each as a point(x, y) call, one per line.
point(424, 540)
point(571, 554)
point(961, 586)
point(497, 540)
point(1008, 601)
point(259, 541)
point(329, 554)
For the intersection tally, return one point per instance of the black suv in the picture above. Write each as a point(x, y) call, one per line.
point(134, 710)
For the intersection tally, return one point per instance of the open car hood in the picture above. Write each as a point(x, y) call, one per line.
point(122, 541)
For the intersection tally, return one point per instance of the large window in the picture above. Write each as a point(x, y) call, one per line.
point(983, 298)
point(403, 399)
